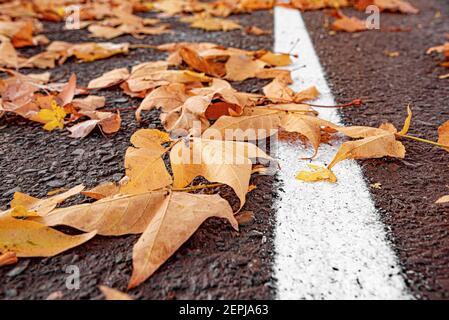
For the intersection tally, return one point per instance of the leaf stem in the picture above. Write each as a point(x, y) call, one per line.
point(423, 140)
point(353, 103)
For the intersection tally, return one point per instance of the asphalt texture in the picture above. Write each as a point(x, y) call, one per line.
point(357, 66)
point(216, 263)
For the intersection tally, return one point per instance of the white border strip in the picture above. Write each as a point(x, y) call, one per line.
point(329, 240)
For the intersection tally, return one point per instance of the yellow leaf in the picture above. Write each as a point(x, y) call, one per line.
point(53, 118)
point(317, 174)
point(25, 205)
point(32, 239)
point(174, 223)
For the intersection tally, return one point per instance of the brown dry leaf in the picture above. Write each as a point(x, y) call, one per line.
point(89, 103)
point(317, 4)
point(167, 98)
point(174, 223)
point(278, 89)
point(388, 5)
point(32, 239)
point(271, 73)
point(276, 59)
point(95, 51)
point(159, 78)
point(256, 4)
point(243, 128)
point(111, 216)
point(114, 294)
point(307, 94)
point(8, 258)
point(376, 144)
point(211, 24)
point(242, 67)
point(219, 109)
point(106, 32)
point(200, 105)
point(145, 168)
point(103, 190)
point(306, 125)
point(68, 92)
point(198, 63)
point(254, 30)
point(226, 162)
point(109, 79)
point(348, 24)
point(8, 55)
point(107, 121)
point(443, 134)
point(443, 199)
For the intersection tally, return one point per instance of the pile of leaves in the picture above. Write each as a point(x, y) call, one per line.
point(32, 97)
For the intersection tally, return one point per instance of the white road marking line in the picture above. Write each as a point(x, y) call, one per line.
point(329, 240)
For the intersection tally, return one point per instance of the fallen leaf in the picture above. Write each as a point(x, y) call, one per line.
point(317, 4)
point(167, 98)
point(306, 125)
point(111, 216)
point(113, 294)
point(109, 79)
point(145, 168)
point(211, 24)
point(53, 118)
point(174, 223)
point(443, 199)
point(8, 55)
point(243, 128)
point(68, 92)
point(376, 146)
point(254, 30)
point(387, 5)
point(226, 162)
point(348, 24)
point(32, 239)
point(109, 122)
point(103, 190)
point(443, 134)
point(25, 205)
point(276, 59)
point(318, 173)
point(245, 217)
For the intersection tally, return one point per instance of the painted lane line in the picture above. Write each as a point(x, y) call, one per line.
point(329, 240)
